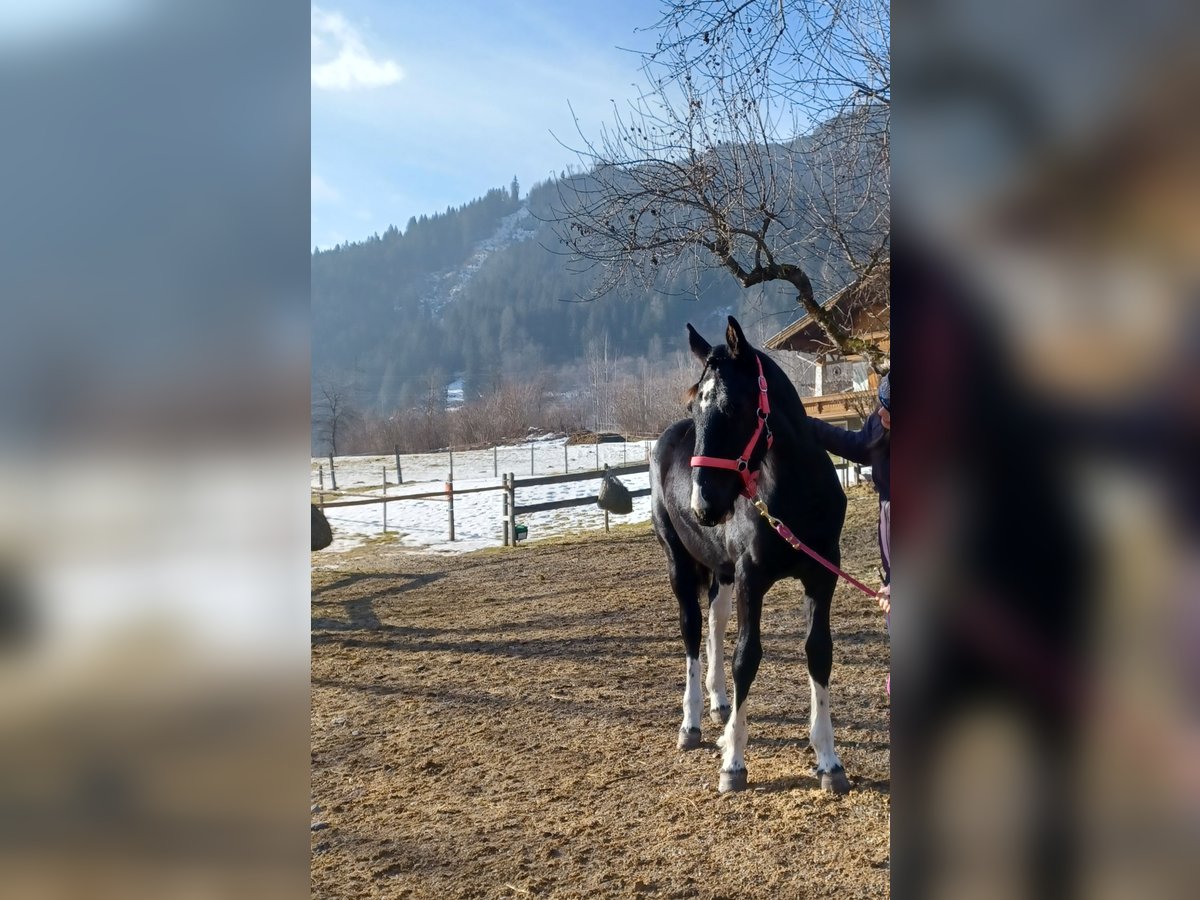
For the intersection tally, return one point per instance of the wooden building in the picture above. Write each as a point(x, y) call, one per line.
point(842, 388)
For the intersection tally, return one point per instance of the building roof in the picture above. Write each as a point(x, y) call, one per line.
point(863, 306)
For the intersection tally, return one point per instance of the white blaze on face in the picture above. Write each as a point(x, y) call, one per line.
point(704, 399)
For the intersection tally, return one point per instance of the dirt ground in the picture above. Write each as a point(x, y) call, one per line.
point(503, 724)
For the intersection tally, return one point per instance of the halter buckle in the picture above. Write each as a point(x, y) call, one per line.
point(741, 464)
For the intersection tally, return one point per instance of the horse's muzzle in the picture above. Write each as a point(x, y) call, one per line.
point(707, 513)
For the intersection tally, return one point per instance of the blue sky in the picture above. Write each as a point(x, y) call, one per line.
point(420, 106)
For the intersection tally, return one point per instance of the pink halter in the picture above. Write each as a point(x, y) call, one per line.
point(741, 465)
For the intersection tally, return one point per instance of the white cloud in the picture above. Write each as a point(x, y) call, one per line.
point(322, 192)
point(341, 60)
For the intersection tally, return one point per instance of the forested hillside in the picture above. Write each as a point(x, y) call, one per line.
point(480, 292)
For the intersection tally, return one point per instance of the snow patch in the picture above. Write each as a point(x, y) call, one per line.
point(478, 518)
point(446, 286)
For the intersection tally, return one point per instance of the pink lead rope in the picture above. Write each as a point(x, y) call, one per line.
point(797, 544)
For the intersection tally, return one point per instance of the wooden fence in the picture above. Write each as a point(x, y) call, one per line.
point(509, 486)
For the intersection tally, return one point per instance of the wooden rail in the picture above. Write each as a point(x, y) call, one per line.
point(512, 510)
point(509, 486)
point(618, 471)
point(426, 495)
point(570, 501)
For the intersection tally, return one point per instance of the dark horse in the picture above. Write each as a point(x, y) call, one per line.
point(748, 436)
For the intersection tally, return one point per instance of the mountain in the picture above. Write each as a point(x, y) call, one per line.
point(482, 292)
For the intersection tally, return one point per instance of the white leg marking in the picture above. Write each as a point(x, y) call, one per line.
point(718, 619)
point(821, 729)
point(693, 697)
point(733, 741)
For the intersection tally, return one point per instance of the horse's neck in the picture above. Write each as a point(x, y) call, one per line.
point(788, 416)
point(794, 442)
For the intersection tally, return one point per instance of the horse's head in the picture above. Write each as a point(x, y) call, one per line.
point(729, 407)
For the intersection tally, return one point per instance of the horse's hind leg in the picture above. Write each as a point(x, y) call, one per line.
point(720, 605)
point(687, 580)
point(819, 650)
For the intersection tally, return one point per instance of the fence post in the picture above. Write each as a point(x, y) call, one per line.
point(602, 489)
point(321, 474)
point(531, 472)
point(384, 504)
point(504, 512)
point(495, 462)
point(512, 507)
point(399, 477)
point(450, 501)
point(566, 462)
point(625, 453)
point(451, 466)
point(332, 473)
point(597, 452)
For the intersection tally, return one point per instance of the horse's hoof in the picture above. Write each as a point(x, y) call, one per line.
point(732, 781)
point(689, 738)
point(835, 781)
point(719, 714)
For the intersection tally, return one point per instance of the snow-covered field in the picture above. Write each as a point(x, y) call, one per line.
point(478, 518)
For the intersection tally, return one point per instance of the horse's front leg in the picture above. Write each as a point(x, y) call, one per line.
point(746, 657)
point(686, 583)
point(720, 606)
point(818, 648)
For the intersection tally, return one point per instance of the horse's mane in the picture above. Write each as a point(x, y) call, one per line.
point(784, 395)
point(785, 399)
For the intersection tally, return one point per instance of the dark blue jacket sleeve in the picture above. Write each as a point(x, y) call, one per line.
point(851, 445)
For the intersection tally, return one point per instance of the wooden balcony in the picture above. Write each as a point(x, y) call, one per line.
point(853, 406)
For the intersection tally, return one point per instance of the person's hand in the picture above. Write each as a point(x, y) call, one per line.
point(885, 599)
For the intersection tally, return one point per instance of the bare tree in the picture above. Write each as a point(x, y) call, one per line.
point(648, 401)
point(333, 410)
point(600, 367)
point(760, 145)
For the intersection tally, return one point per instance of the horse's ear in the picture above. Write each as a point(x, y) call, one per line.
point(700, 347)
point(739, 347)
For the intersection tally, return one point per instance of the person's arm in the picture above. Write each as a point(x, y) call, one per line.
point(851, 445)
